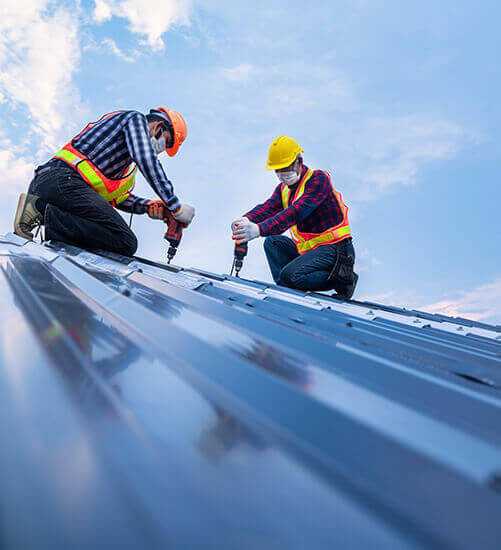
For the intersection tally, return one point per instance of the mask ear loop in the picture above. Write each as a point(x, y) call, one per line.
point(168, 126)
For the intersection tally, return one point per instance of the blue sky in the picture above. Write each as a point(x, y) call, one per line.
point(398, 100)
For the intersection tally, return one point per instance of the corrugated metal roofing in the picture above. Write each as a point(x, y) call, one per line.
point(149, 406)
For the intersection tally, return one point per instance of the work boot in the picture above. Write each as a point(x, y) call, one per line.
point(27, 216)
point(348, 290)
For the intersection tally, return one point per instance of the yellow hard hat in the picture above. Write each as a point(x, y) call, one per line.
point(283, 152)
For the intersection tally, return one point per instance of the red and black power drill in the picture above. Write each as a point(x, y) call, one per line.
point(173, 234)
point(238, 260)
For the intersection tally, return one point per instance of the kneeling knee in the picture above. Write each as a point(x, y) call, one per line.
point(270, 243)
point(289, 278)
point(129, 244)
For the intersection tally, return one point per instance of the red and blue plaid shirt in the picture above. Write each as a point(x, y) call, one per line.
point(314, 212)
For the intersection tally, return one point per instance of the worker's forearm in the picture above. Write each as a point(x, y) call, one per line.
point(261, 213)
point(295, 213)
point(134, 205)
point(162, 187)
point(255, 215)
point(171, 200)
point(279, 223)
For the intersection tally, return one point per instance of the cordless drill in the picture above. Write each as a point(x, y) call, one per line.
point(240, 253)
point(173, 234)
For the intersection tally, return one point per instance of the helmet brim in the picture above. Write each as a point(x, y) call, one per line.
point(171, 151)
point(179, 133)
point(284, 164)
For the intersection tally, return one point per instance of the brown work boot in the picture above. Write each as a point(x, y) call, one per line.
point(27, 216)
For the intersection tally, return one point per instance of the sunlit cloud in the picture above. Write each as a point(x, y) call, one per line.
point(147, 18)
point(483, 303)
point(39, 55)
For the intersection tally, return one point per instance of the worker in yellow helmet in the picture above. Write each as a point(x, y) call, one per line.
point(320, 254)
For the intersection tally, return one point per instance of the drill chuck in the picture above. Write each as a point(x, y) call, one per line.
point(172, 235)
point(238, 265)
point(171, 253)
point(240, 253)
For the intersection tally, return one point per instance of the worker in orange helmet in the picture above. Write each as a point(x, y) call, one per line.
point(73, 194)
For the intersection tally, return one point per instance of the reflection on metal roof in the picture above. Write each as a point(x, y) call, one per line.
point(149, 406)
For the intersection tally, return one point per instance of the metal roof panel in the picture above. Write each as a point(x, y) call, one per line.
point(159, 406)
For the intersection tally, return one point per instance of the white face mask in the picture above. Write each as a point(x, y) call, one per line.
point(288, 178)
point(158, 144)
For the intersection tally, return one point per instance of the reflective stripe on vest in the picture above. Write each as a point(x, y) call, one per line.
point(309, 241)
point(110, 189)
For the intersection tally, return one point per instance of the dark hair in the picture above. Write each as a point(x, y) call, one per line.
point(155, 115)
point(152, 117)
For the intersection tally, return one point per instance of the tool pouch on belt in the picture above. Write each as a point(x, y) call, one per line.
point(342, 272)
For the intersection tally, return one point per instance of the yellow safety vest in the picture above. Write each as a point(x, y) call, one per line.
point(112, 190)
point(309, 241)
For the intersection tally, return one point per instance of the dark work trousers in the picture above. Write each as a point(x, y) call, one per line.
point(308, 271)
point(76, 214)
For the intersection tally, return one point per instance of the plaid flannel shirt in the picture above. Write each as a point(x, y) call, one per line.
point(314, 212)
point(114, 143)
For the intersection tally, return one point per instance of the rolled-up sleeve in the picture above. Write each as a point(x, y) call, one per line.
point(134, 205)
point(137, 137)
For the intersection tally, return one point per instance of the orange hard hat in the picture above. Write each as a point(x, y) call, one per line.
point(179, 127)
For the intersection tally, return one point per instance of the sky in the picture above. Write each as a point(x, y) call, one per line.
point(398, 100)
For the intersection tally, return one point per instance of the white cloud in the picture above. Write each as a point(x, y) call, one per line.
point(108, 45)
point(117, 51)
point(366, 260)
point(39, 54)
point(149, 18)
point(17, 169)
point(481, 303)
point(293, 90)
point(404, 299)
point(102, 11)
point(379, 152)
point(370, 153)
point(240, 73)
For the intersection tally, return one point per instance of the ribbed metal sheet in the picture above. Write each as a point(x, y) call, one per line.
point(146, 406)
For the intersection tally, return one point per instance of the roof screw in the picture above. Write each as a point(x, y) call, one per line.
point(459, 328)
point(349, 324)
point(297, 320)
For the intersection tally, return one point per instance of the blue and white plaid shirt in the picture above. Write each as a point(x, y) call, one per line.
point(113, 143)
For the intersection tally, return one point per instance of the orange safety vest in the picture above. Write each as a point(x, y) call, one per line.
point(112, 190)
point(309, 241)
